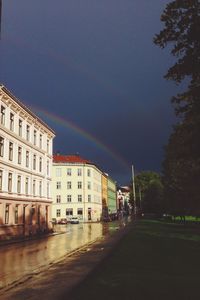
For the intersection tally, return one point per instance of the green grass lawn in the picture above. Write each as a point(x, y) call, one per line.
point(155, 260)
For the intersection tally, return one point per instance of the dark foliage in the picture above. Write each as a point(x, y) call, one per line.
point(181, 166)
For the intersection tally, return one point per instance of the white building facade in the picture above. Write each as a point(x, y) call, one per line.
point(25, 169)
point(76, 189)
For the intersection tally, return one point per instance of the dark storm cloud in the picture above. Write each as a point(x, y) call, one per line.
point(92, 62)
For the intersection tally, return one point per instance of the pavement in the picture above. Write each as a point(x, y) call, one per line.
point(58, 280)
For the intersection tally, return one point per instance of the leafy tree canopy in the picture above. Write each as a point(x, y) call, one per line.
point(181, 20)
point(181, 166)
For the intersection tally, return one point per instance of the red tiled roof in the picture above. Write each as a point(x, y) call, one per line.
point(57, 158)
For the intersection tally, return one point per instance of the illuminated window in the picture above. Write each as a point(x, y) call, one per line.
point(34, 162)
point(58, 213)
point(69, 185)
point(79, 172)
point(10, 182)
point(11, 121)
point(1, 146)
point(27, 159)
point(1, 179)
point(3, 115)
point(10, 151)
point(27, 132)
point(79, 185)
point(69, 172)
point(26, 185)
point(7, 214)
point(18, 184)
point(20, 127)
point(58, 198)
point(34, 137)
point(69, 198)
point(16, 214)
point(19, 155)
point(58, 185)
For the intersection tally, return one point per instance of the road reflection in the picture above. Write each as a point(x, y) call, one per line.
point(24, 258)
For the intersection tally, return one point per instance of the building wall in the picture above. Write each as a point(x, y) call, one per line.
point(104, 196)
point(80, 191)
point(25, 170)
point(112, 196)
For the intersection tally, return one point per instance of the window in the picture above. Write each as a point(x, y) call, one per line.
point(16, 214)
point(1, 180)
point(58, 213)
point(89, 198)
point(79, 198)
point(47, 168)
point(58, 198)
point(40, 164)
point(69, 212)
point(47, 146)
point(19, 155)
point(11, 121)
point(34, 137)
point(58, 172)
point(26, 186)
point(79, 172)
point(79, 184)
point(20, 127)
point(27, 132)
point(27, 159)
point(89, 185)
point(69, 185)
point(34, 162)
point(18, 184)
point(69, 172)
point(48, 190)
point(58, 185)
point(69, 198)
point(80, 212)
point(10, 151)
point(40, 189)
point(3, 110)
point(7, 214)
point(1, 146)
point(9, 182)
point(34, 185)
point(88, 172)
point(40, 141)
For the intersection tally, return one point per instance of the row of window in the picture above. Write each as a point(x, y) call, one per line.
point(69, 212)
point(36, 138)
point(23, 183)
point(69, 185)
point(19, 152)
point(20, 210)
point(69, 198)
point(69, 172)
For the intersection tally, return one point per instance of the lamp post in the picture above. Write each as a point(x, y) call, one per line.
point(134, 198)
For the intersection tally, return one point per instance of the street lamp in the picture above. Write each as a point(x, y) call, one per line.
point(134, 198)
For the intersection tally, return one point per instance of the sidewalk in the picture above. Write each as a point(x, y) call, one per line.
point(27, 238)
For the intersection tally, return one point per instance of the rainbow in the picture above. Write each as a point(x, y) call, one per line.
point(81, 132)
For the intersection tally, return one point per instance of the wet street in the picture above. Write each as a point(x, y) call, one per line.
point(25, 258)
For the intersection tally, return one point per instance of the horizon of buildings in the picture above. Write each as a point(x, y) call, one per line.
point(35, 185)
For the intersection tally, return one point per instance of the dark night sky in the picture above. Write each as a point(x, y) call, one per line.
point(93, 63)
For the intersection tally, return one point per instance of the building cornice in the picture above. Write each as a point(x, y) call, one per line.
point(8, 98)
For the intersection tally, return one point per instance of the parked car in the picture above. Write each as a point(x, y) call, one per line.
point(74, 220)
point(62, 221)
